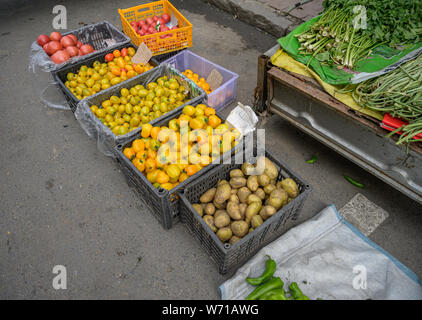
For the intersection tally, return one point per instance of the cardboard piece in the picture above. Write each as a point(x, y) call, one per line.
point(214, 79)
point(142, 55)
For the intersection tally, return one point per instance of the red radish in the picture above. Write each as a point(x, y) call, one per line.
point(149, 21)
point(80, 53)
point(155, 18)
point(79, 44)
point(134, 24)
point(55, 36)
point(141, 23)
point(53, 46)
point(43, 39)
point(72, 51)
point(67, 41)
point(164, 28)
point(86, 48)
point(165, 17)
point(140, 32)
point(151, 30)
point(75, 40)
point(60, 56)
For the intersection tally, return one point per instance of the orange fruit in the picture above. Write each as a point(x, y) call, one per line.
point(139, 164)
point(162, 177)
point(129, 153)
point(154, 132)
point(150, 165)
point(116, 53)
point(191, 170)
point(146, 130)
point(209, 111)
point(142, 155)
point(214, 121)
point(138, 145)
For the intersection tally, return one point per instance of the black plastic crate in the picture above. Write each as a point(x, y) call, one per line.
point(226, 256)
point(103, 36)
point(106, 138)
point(163, 203)
point(60, 75)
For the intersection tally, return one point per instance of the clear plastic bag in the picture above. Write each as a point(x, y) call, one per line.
point(106, 139)
point(103, 36)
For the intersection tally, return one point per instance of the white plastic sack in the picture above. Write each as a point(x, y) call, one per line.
point(321, 255)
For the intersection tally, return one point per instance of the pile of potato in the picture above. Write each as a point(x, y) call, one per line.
point(235, 208)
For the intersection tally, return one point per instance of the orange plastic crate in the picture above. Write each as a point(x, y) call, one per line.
point(181, 38)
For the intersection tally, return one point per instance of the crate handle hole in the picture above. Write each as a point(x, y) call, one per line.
point(227, 246)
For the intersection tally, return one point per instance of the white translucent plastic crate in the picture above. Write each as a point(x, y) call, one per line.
point(220, 97)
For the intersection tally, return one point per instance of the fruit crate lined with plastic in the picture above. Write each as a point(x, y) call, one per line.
point(225, 93)
point(226, 256)
point(106, 139)
point(102, 36)
point(176, 39)
point(164, 204)
point(60, 76)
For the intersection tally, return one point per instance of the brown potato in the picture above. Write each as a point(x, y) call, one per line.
point(242, 208)
point(234, 211)
point(209, 220)
point(222, 193)
point(267, 211)
point(263, 180)
point(252, 183)
point(219, 205)
point(243, 194)
point(224, 234)
point(219, 183)
point(237, 182)
point(221, 219)
point(239, 228)
point(260, 193)
point(233, 240)
point(277, 199)
point(234, 198)
point(208, 196)
point(269, 188)
point(250, 230)
point(256, 221)
point(290, 186)
point(268, 166)
point(198, 209)
point(252, 210)
point(236, 173)
point(253, 198)
point(234, 191)
point(209, 209)
point(247, 168)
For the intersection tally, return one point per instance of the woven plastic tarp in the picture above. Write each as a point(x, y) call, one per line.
point(329, 259)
